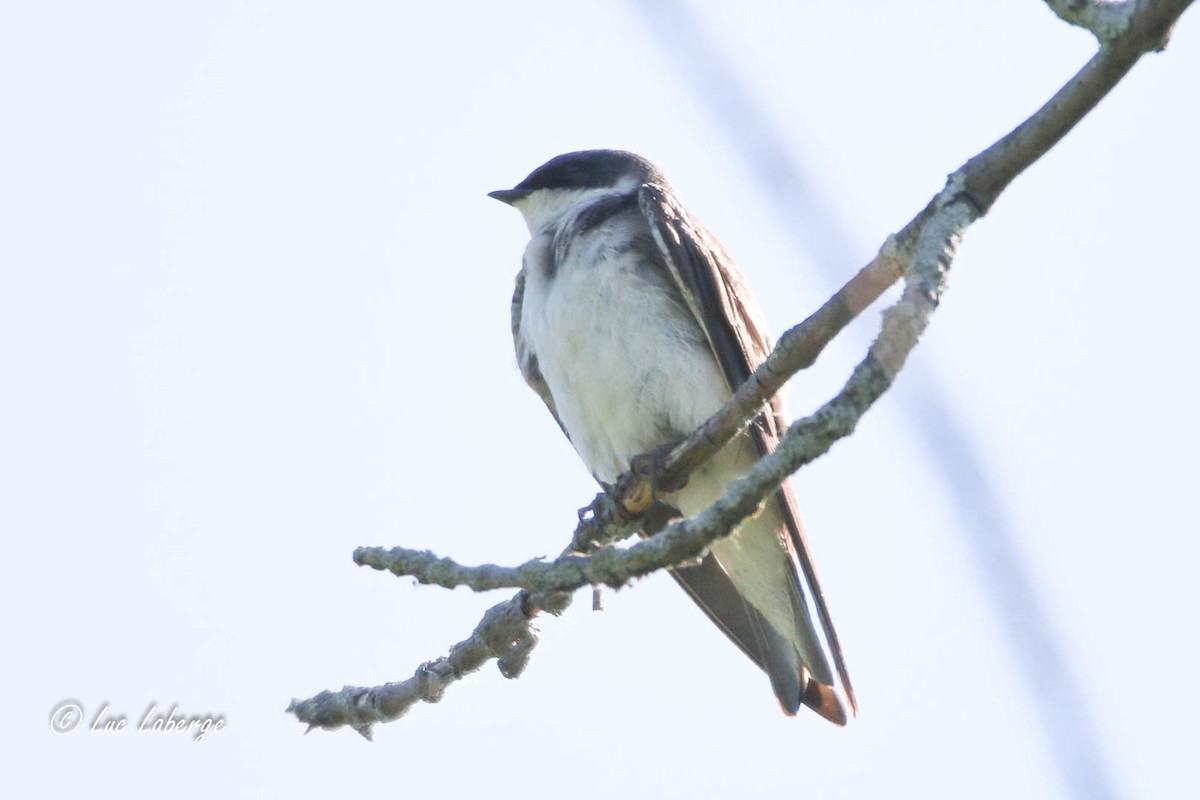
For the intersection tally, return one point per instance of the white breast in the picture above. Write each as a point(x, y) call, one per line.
point(628, 366)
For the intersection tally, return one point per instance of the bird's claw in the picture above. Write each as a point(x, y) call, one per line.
point(594, 508)
point(640, 488)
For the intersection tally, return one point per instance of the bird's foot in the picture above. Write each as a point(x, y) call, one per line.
point(640, 487)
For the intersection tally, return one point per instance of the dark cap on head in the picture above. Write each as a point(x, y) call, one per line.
point(585, 169)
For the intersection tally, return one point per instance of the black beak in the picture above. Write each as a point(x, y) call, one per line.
point(509, 196)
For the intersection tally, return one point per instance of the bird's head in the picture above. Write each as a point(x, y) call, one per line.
point(568, 181)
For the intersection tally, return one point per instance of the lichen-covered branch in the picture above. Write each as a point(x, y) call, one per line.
point(806, 440)
point(797, 349)
point(504, 634)
point(922, 251)
point(614, 514)
point(1106, 19)
point(984, 177)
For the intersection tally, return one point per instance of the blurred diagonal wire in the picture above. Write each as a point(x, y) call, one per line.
point(1066, 721)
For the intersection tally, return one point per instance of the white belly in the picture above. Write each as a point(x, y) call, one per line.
point(629, 368)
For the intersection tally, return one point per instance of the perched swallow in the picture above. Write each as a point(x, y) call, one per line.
point(634, 326)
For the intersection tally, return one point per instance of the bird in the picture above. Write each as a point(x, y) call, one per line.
point(634, 325)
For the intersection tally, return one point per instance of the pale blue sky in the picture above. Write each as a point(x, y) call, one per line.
point(254, 313)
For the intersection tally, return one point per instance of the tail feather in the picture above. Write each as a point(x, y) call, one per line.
point(714, 592)
point(792, 680)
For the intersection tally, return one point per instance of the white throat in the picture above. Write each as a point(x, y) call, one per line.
point(546, 208)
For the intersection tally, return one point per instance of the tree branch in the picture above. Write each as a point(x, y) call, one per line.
point(803, 442)
point(1106, 19)
point(504, 634)
point(929, 241)
point(990, 172)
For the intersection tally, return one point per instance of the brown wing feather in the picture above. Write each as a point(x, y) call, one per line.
point(717, 596)
point(721, 302)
